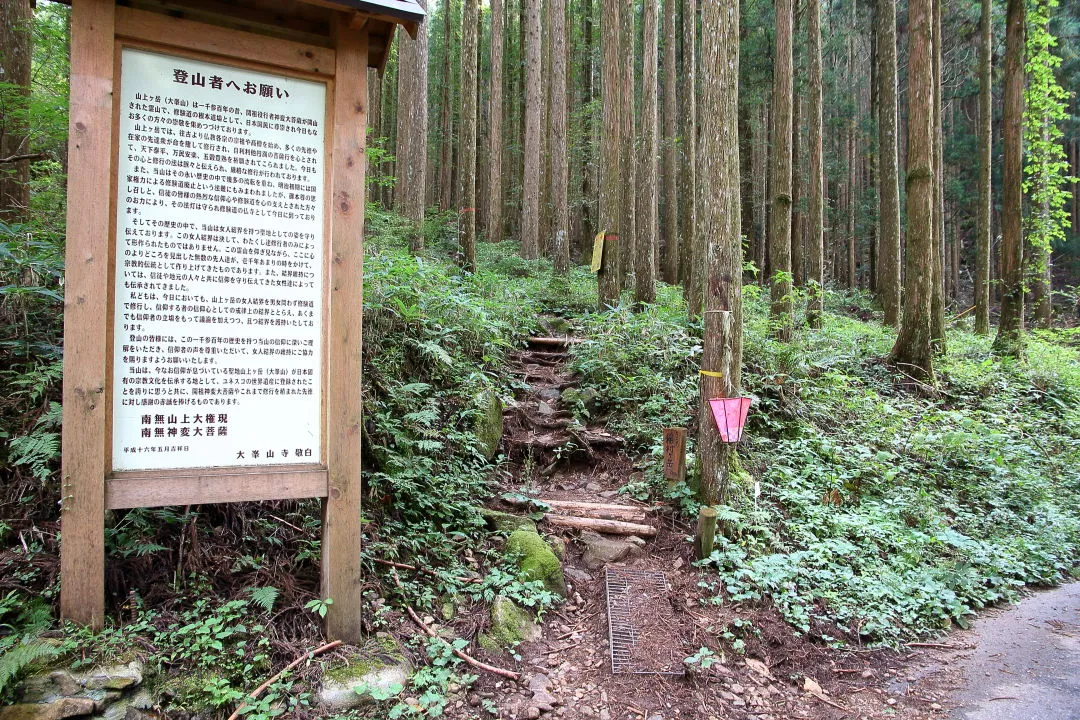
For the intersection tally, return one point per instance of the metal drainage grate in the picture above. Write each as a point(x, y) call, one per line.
point(625, 591)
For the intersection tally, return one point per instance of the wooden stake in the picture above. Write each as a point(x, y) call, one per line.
point(706, 532)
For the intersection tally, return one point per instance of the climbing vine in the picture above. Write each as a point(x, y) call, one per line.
point(1046, 171)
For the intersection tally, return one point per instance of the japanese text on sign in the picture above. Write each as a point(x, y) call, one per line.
point(218, 308)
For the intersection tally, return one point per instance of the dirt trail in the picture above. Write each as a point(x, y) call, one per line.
point(568, 673)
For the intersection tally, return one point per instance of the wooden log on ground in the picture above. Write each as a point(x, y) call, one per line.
point(561, 341)
point(603, 511)
point(611, 527)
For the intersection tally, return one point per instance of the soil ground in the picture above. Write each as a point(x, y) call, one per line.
point(568, 673)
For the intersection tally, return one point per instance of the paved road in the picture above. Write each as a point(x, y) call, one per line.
point(1027, 662)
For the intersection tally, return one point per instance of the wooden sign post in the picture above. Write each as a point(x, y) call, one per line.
point(215, 268)
point(674, 454)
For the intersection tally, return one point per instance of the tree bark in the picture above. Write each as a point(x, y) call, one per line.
point(627, 147)
point(16, 31)
point(888, 170)
point(467, 170)
point(912, 352)
point(530, 200)
point(690, 259)
point(645, 257)
point(375, 134)
point(798, 179)
point(560, 169)
point(937, 316)
point(1009, 340)
point(815, 247)
point(780, 187)
point(446, 128)
point(588, 227)
point(412, 132)
point(610, 160)
point(671, 125)
point(495, 123)
point(719, 218)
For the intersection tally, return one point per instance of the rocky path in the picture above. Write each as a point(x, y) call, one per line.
point(1021, 663)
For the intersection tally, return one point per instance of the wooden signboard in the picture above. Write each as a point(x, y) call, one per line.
point(674, 454)
point(215, 268)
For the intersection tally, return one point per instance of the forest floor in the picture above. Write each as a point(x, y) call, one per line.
point(568, 672)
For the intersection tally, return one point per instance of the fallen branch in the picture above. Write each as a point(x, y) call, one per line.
point(827, 701)
point(942, 646)
point(429, 571)
point(612, 527)
point(20, 158)
point(467, 658)
point(262, 688)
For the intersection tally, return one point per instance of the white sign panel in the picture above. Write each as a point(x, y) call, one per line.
point(218, 313)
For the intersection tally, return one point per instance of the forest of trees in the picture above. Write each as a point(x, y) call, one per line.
point(920, 150)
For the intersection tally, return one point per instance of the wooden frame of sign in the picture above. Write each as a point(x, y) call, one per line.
point(145, 425)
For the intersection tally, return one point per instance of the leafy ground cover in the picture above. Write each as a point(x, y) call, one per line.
point(871, 510)
point(885, 510)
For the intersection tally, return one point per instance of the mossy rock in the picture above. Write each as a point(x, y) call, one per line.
point(536, 560)
point(489, 423)
point(510, 624)
point(379, 664)
point(503, 522)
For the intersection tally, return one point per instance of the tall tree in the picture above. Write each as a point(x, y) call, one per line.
point(798, 178)
point(1011, 322)
point(719, 217)
point(691, 258)
point(815, 246)
point(587, 130)
point(780, 187)
point(671, 125)
point(446, 118)
point(560, 170)
point(413, 131)
point(610, 162)
point(16, 18)
point(495, 122)
point(467, 171)
point(912, 352)
point(627, 145)
point(888, 171)
point(1046, 161)
point(645, 257)
point(985, 141)
point(937, 301)
point(530, 200)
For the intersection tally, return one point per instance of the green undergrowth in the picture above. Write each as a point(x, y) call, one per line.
point(872, 509)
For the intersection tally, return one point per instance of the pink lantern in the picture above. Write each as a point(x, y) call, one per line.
point(730, 416)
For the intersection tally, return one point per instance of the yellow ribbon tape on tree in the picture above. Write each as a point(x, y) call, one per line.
point(711, 373)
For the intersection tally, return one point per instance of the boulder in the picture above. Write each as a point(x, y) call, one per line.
point(112, 677)
point(380, 665)
point(601, 550)
point(510, 624)
point(536, 560)
point(489, 423)
point(504, 522)
point(56, 710)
